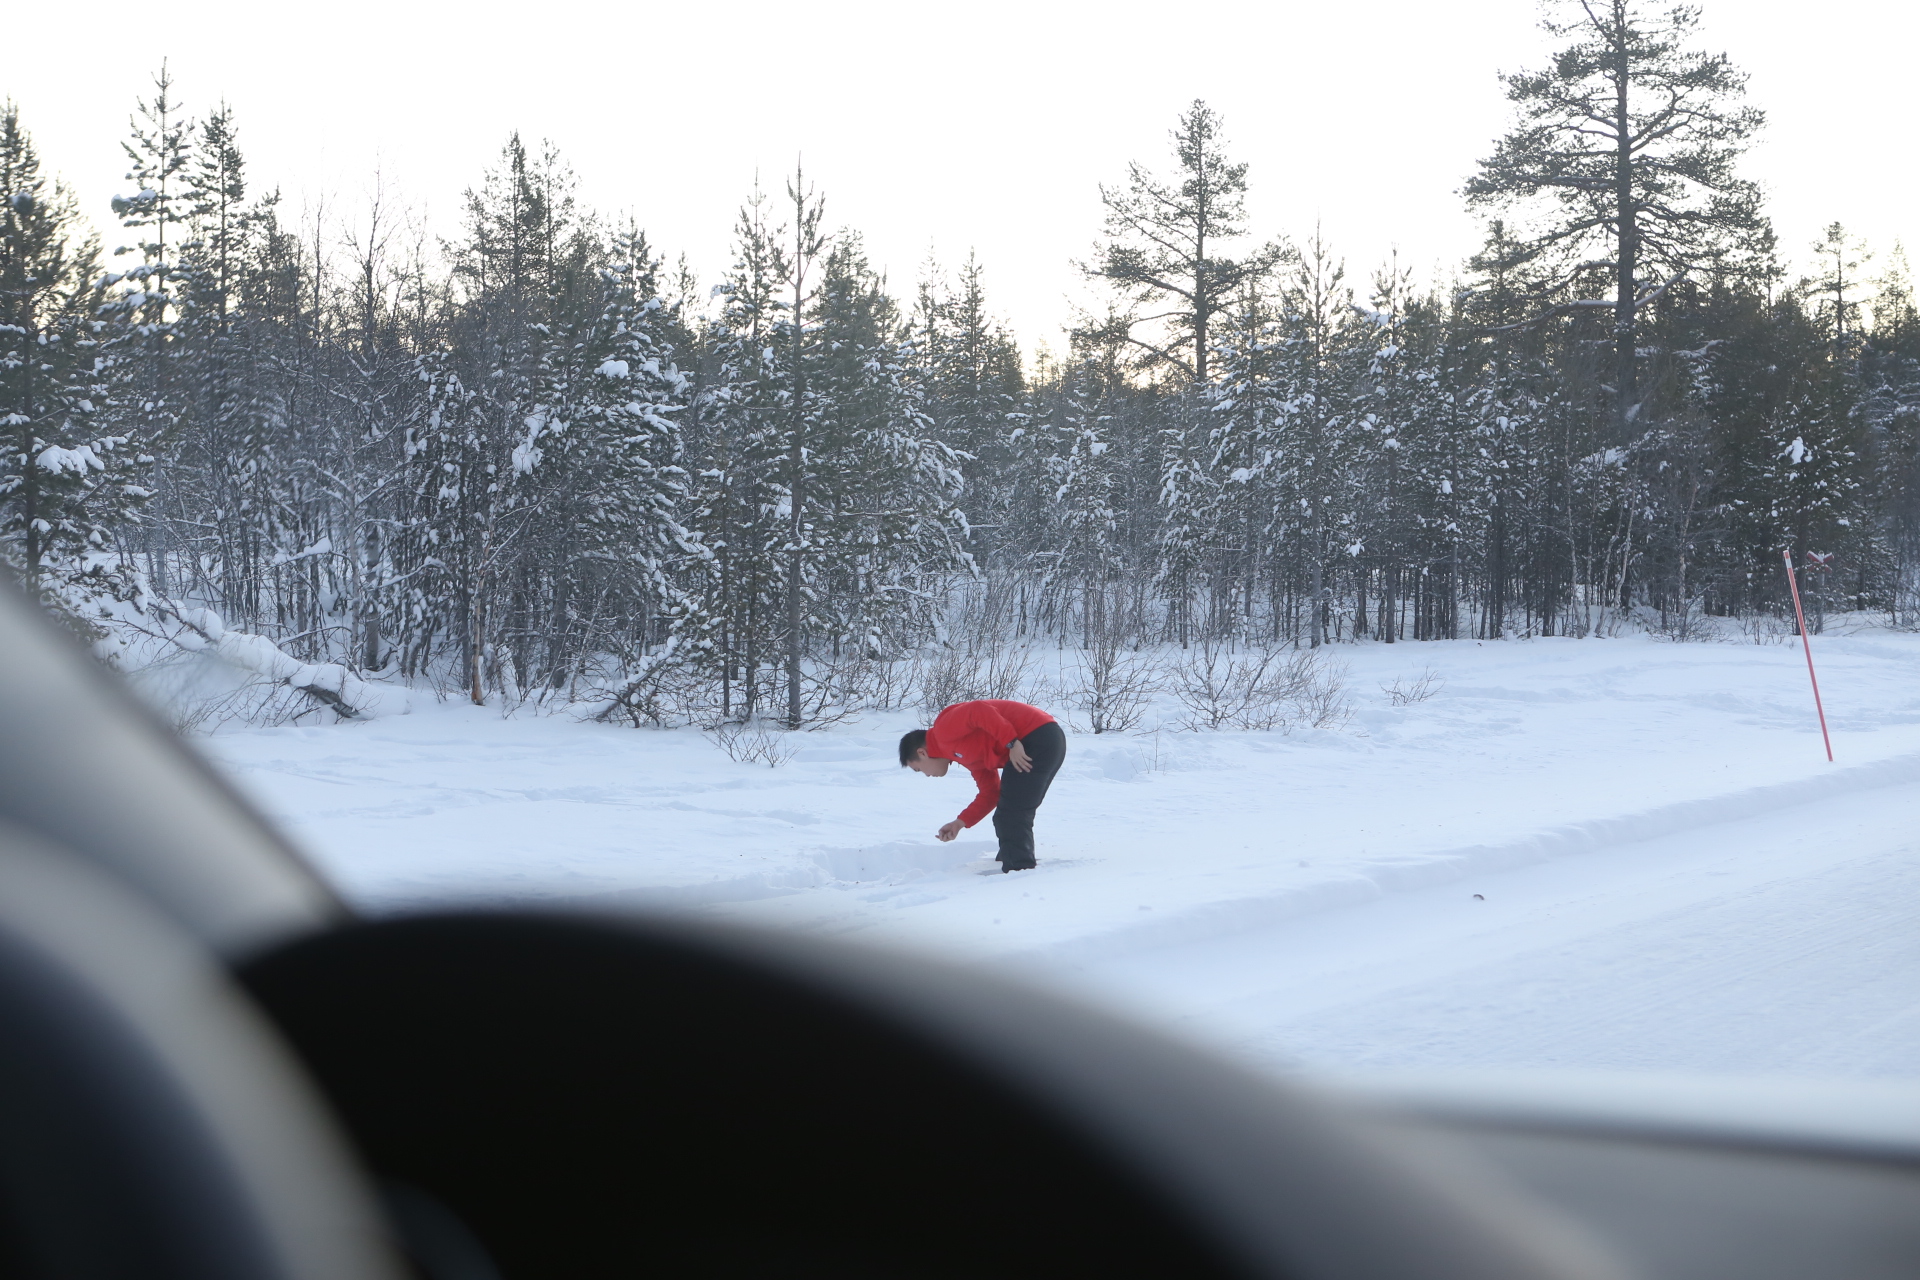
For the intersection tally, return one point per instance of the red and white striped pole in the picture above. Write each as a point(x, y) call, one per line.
point(1806, 647)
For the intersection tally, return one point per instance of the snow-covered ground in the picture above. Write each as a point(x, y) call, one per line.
point(1595, 853)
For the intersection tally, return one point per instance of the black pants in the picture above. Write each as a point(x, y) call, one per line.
point(1021, 794)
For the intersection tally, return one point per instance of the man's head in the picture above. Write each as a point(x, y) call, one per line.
point(913, 755)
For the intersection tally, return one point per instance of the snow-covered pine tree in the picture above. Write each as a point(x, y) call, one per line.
point(1245, 460)
point(602, 463)
point(529, 273)
point(1418, 513)
point(1812, 478)
point(374, 386)
point(877, 490)
point(800, 414)
point(1087, 558)
point(148, 388)
point(1506, 380)
point(1387, 418)
point(973, 382)
point(821, 490)
point(1319, 454)
point(218, 505)
point(883, 525)
point(1193, 511)
point(1890, 411)
point(449, 504)
point(68, 485)
point(306, 440)
point(1022, 545)
point(735, 448)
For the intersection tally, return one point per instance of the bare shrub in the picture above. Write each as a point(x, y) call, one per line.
point(945, 676)
point(198, 695)
point(1405, 691)
point(1110, 686)
point(662, 693)
point(1258, 688)
point(889, 683)
point(1219, 688)
point(949, 675)
point(1154, 756)
point(753, 742)
point(1767, 628)
point(258, 703)
point(1687, 624)
point(1004, 671)
point(833, 690)
point(1314, 688)
point(977, 656)
point(669, 692)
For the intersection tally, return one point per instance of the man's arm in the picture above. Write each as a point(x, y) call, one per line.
point(989, 784)
point(988, 780)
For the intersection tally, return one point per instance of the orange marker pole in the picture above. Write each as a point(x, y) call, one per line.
point(1807, 648)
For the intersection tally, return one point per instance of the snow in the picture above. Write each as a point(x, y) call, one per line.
point(321, 548)
point(59, 460)
point(1669, 874)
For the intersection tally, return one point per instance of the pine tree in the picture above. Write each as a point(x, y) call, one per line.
point(801, 412)
point(1624, 158)
point(603, 461)
point(1839, 286)
point(738, 447)
point(1320, 450)
point(530, 272)
point(217, 503)
point(68, 488)
point(148, 387)
point(886, 482)
point(1086, 524)
point(1164, 248)
point(1246, 463)
point(973, 383)
point(374, 384)
point(1890, 411)
point(1191, 515)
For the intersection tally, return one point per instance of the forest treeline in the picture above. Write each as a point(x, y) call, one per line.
point(532, 459)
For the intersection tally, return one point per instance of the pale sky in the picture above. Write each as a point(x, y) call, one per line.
point(986, 126)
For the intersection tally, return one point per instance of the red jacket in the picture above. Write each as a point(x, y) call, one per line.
point(976, 734)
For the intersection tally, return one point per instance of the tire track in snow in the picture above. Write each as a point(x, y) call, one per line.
point(1421, 870)
point(1781, 943)
point(1814, 975)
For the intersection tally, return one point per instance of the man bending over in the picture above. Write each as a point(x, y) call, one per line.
point(1013, 750)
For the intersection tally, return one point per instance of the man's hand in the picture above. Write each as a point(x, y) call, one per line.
point(1017, 756)
point(951, 830)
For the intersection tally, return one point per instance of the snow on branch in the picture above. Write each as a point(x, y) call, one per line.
point(328, 683)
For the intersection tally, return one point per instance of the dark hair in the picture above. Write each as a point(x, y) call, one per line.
point(910, 744)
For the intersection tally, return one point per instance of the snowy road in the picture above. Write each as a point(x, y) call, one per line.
point(1786, 943)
